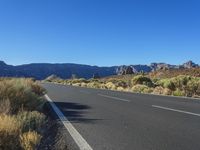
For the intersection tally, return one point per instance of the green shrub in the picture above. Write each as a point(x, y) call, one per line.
point(140, 79)
point(31, 120)
point(181, 81)
point(167, 83)
point(193, 86)
point(178, 92)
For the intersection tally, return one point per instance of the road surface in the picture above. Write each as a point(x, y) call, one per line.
point(111, 120)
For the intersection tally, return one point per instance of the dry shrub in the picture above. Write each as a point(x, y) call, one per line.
point(5, 107)
point(83, 84)
point(161, 90)
point(158, 90)
point(31, 120)
point(76, 84)
point(102, 86)
point(121, 83)
point(141, 89)
point(110, 86)
point(30, 140)
point(94, 84)
point(9, 132)
point(20, 94)
point(120, 89)
point(37, 89)
point(167, 91)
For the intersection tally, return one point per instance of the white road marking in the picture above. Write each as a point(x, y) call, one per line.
point(176, 110)
point(120, 99)
point(80, 141)
point(86, 92)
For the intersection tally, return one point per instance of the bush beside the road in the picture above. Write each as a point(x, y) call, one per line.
point(30, 140)
point(21, 121)
point(141, 89)
point(181, 85)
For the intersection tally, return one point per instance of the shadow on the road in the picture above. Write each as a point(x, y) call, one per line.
point(75, 112)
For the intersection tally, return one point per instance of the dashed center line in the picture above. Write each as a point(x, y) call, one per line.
point(176, 110)
point(116, 98)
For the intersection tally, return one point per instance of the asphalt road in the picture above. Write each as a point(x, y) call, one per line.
point(110, 120)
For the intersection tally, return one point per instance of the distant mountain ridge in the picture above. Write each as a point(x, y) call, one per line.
point(65, 70)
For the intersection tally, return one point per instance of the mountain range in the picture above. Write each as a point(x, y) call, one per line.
point(66, 70)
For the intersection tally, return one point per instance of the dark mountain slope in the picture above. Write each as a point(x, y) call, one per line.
point(43, 70)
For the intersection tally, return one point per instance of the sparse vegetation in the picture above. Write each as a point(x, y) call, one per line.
point(21, 120)
point(181, 85)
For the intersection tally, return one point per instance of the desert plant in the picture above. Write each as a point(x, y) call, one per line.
point(30, 140)
point(84, 84)
point(167, 91)
point(121, 83)
point(9, 132)
point(93, 84)
point(20, 94)
point(167, 83)
point(181, 81)
point(37, 89)
point(18, 97)
point(120, 88)
point(178, 92)
point(140, 79)
point(76, 84)
point(158, 90)
point(110, 86)
point(31, 120)
point(141, 89)
point(5, 107)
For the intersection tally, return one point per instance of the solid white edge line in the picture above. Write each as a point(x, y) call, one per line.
point(80, 141)
point(176, 110)
point(121, 99)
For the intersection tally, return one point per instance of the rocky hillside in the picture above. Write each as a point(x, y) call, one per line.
point(122, 70)
point(66, 70)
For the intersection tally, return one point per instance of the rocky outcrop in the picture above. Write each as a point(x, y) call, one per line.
point(190, 64)
point(123, 70)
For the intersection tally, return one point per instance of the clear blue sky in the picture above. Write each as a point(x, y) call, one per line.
point(99, 32)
